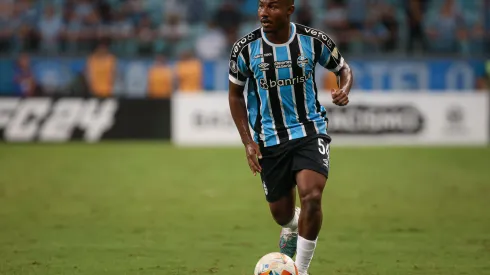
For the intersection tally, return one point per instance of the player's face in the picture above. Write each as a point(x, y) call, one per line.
point(274, 14)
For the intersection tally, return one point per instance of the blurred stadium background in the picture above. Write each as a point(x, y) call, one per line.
point(409, 187)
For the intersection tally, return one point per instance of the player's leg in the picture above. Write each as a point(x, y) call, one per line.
point(310, 189)
point(279, 187)
point(312, 165)
point(287, 215)
point(282, 210)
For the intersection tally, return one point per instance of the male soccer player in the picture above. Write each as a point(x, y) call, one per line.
point(290, 145)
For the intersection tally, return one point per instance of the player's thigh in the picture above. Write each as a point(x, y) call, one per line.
point(277, 177)
point(282, 209)
point(312, 165)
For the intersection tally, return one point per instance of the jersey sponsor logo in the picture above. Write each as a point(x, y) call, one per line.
point(266, 85)
point(320, 35)
point(262, 55)
point(264, 66)
point(240, 43)
point(302, 61)
point(238, 46)
point(283, 64)
point(233, 66)
point(55, 121)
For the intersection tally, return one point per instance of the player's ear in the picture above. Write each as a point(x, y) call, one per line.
point(291, 9)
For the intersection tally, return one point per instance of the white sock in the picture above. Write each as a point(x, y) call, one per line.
point(293, 224)
point(305, 251)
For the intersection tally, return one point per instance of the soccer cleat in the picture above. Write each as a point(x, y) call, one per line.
point(288, 240)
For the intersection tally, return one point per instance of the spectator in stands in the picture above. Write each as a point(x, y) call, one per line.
point(476, 39)
point(160, 79)
point(146, 36)
point(122, 31)
point(90, 34)
point(136, 10)
point(374, 34)
point(172, 7)
point(189, 73)
point(335, 22)
point(101, 70)
point(173, 32)
point(227, 16)
point(356, 13)
point(304, 14)
point(415, 10)
point(211, 43)
point(7, 30)
point(83, 8)
point(72, 26)
point(24, 23)
point(24, 79)
point(389, 21)
point(196, 11)
point(446, 28)
point(50, 27)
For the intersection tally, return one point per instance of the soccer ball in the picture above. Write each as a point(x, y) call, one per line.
point(275, 263)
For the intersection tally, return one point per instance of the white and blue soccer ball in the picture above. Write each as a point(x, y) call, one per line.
point(275, 263)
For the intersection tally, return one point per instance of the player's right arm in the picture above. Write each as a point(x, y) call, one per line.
point(238, 108)
point(239, 113)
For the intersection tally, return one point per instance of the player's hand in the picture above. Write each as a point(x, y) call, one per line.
point(340, 97)
point(253, 154)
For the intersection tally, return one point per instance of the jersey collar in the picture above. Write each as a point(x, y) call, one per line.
point(293, 34)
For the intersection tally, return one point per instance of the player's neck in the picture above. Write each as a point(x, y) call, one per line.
point(280, 36)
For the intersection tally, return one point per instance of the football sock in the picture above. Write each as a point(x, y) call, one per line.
point(305, 251)
point(293, 224)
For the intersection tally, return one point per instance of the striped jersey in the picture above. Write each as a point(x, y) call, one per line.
point(282, 96)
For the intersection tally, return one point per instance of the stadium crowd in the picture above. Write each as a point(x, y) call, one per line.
point(146, 27)
point(194, 31)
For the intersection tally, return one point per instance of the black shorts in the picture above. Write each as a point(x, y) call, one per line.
point(280, 163)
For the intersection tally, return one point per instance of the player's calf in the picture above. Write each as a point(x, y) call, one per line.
point(310, 187)
point(286, 215)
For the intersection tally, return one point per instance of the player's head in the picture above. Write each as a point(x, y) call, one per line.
point(275, 14)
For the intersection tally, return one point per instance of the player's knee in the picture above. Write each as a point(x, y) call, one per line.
point(312, 201)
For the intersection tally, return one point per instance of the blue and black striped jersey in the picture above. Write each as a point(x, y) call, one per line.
point(282, 96)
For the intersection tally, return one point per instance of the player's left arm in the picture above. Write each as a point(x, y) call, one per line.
point(332, 60)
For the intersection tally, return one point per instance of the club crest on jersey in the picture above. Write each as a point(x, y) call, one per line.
point(233, 66)
point(302, 61)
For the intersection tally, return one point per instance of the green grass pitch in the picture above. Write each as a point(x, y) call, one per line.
point(150, 208)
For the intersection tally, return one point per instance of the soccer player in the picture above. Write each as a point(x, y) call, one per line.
point(290, 147)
